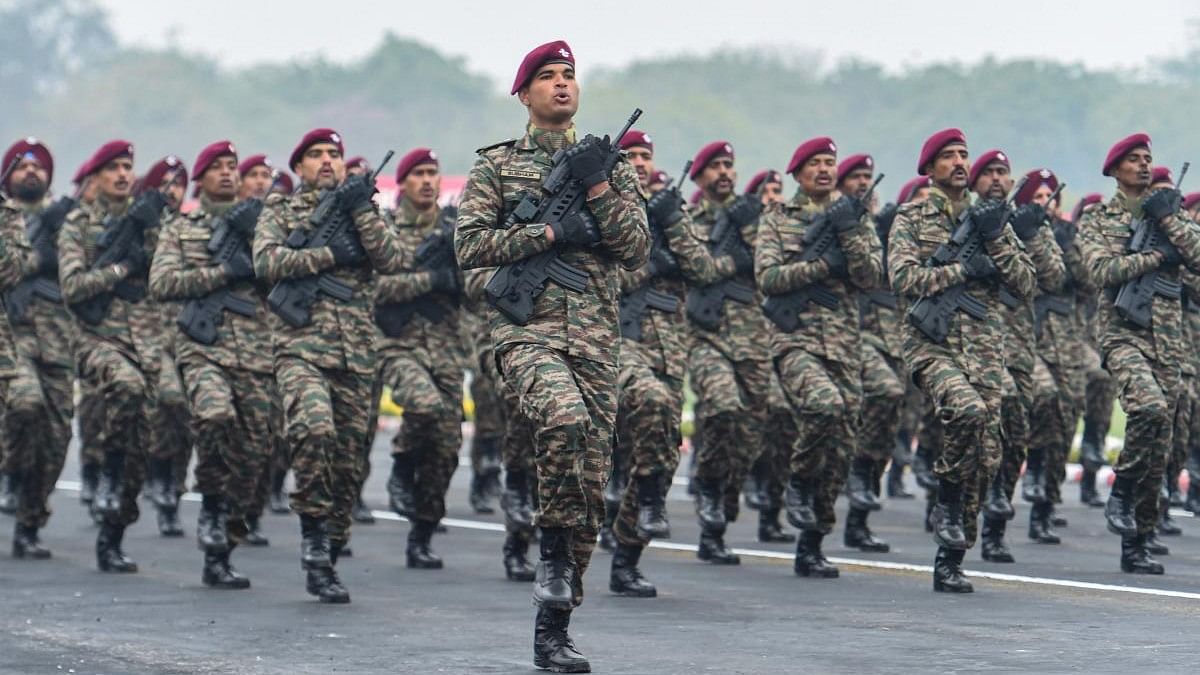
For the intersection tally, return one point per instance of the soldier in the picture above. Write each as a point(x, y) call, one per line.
point(962, 372)
point(116, 352)
point(1143, 354)
point(91, 403)
point(1099, 390)
point(358, 166)
point(39, 404)
point(226, 368)
point(652, 367)
point(418, 310)
point(728, 360)
point(562, 362)
point(324, 359)
point(816, 347)
point(1191, 204)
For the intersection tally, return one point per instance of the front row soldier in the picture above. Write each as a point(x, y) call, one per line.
point(815, 342)
point(324, 355)
point(1142, 348)
point(560, 357)
point(960, 371)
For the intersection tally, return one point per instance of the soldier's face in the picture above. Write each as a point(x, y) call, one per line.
point(220, 180)
point(552, 96)
point(173, 188)
point(422, 185)
point(1041, 197)
point(920, 195)
point(322, 166)
point(857, 182)
point(1133, 171)
point(256, 183)
point(772, 193)
point(29, 181)
point(642, 160)
point(816, 176)
point(115, 179)
point(358, 170)
point(90, 189)
point(994, 182)
point(717, 178)
point(949, 168)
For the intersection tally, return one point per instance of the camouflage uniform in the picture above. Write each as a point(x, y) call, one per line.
point(324, 369)
point(962, 377)
point(563, 363)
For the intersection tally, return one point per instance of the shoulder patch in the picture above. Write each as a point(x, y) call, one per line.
point(502, 144)
point(274, 199)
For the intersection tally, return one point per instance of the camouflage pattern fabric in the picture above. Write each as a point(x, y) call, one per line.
point(884, 393)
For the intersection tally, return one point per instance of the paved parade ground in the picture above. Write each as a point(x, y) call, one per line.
point(1066, 609)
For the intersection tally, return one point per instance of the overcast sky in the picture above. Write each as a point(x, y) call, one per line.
point(493, 36)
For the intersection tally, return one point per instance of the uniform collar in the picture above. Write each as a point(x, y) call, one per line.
point(942, 202)
point(407, 214)
point(1124, 202)
point(209, 207)
point(549, 140)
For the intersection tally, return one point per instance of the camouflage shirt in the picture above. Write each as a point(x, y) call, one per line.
point(45, 333)
point(832, 334)
point(1061, 339)
point(16, 263)
point(183, 269)
point(340, 335)
point(975, 347)
point(1019, 338)
point(582, 325)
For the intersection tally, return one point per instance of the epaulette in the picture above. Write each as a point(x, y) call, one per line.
point(502, 144)
point(910, 208)
point(274, 198)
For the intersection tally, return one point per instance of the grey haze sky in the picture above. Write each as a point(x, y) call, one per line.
point(493, 36)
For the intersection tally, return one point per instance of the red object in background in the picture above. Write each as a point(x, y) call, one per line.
point(452, 187)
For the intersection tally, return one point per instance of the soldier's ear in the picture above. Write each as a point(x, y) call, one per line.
point(523, 96)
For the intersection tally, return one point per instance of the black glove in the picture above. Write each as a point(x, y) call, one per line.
point(979, 266)
point(1169, 253)
point(347, 249)
point(445, 280)
point(1027, 219)
point(845, 213)
point(239, 266)
point(989, 216)
point(586, 159)
point(743, 211)
point(577, 227)
point(743, 260)
point(1161, 203)
point(663, 263)
point(1064, 233)
point(135, 260)
point(665, 208)
point(243, 217)
point(836, 259)
point(147, 208)
point(354, 194)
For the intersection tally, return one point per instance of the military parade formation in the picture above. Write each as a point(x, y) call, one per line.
point(959, 333)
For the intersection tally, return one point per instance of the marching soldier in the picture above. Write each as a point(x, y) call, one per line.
point(1099, 391)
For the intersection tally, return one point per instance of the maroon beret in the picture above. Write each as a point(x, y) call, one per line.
point(312, 138)
point(821, 145)
point(910, 188)
point(209, 154)
point(707, 154)
point(357, 160)
point(1034, 180)
point(284, 179)
point(251, 162)
point(1190, 200)
point(1161, 174)
point(30, 147)
point(764, 176)
point(1086, 201)
point(990, 157)
point(633, 137)
point(1122, 148)
point(105, 154)
point(934, 144)
point(154, 177)
point(551, 52)
point(859, 161)
point(659, 176)
point(415, 157)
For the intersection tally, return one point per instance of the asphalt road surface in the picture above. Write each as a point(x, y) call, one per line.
point(1065, 608)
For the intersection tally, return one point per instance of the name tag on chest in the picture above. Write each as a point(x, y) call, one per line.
point(195, 234)
point(519, 173)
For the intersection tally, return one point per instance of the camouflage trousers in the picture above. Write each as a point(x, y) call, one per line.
point(1058, 398)
point(732, 398)
point(779, 436)
point(516, 449)
point(572, 405)
point(171, 436)
point(325, 414)
point(279, 458)
point(364, 463)
point(968, 416)
point(91, 423)
point(1100, 393)
point(429, 388)
point(826, 398)
point(884, 398)
point(1148, 392)
point(489, 410)
point(1181, 436)
point(1193, 444)
point(37, 424)
point(1016, 404)
point(651, 403)
point(127, 393)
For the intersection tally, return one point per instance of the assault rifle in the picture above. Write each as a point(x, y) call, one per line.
point(292, 299)
point(435, 252)
point(42, 231)
point(231, 239)
point(633, 306)
point(704, 305)
point(514, 288)
point(1135, 298)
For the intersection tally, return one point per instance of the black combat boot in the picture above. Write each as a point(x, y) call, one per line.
point(1056, 518)
point(754, 488)
point(419, 555)
point(1091, 445)
point(279, 500)
point(922, 468)
point(1167, 526)
point(26, 543)
point(254, 535)
point(991, 542)
point(314, 543)
point(997, 506)
point(614, 489)
point(1135, 559)
point(107, 501)
point(947, 517)
point(652, 520)
point(947, 572)
point(324, 583)
point(1040, 528)
point(895, 482)
point(166, 499)
point(1088, 494)
point(361, 513)
point(858, 535)
point(810, 561)
point(89, 476)
point(109, 556)
point(478, 495)
point(553, 648)
point(860, 485)
point(713, 549)
point(518, 512)
point(769, 529)
point(710, 504)
point(401, 485)
point(555, 575)
point(606, 540)
point(212, 530)
point(516, 565)
point(218, 573)
point(1033, 483)
point(10, 488)
point(731, 504)
point(1151, 543)
point(798, 503)
point(625, 578)
point(1118, 511)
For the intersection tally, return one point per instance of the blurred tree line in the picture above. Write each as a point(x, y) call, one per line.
point(67, 81)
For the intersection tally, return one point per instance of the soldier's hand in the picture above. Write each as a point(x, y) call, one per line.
point(239, 266)
point(744, 210)
point(578, 228)
point(1161, 203)
point(243, 217)
point(347, 249)
point(1027, 219)
point(663, 263)
point(1170, 254)
point(136, 262)
point(845, 213)
point(989, 217)
point(355, 194)
point(147, 208)
point(743, 260)
point(835, 258)
point(665, 208)
point(979, 266)
point(586, 160)
point(445, 280)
